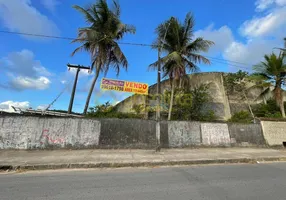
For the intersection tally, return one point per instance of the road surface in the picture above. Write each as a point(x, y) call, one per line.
point(216, 182)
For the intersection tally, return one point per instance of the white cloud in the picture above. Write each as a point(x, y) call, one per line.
point(82, 72)
point(222, 37)
point(50, 4)
point(272, 23)
point(262, 5)
point(42, 107)
point(6, 106)
point(21, 16)
point(21, 83)
point(24, 72)
point(251, 52)
point(262, 33)
point(23, 63)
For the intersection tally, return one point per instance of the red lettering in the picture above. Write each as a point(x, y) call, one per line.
point(144, 86)
point(127, 83)
point(140, 86)
point(135, 85)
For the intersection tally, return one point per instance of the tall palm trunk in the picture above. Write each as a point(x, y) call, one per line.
point(172, 99)
point(181, 82)
point(279, 98)
point(91, 90)
point(248, 104)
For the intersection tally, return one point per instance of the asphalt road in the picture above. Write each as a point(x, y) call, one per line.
point(217, 182)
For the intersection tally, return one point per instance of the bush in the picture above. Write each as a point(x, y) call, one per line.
point(191, 104)
point(241, 117)
point(108, 111)
point(269, 110)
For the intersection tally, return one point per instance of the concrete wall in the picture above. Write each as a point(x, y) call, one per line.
point(37, 132)
point(22, 132)
point(224, 105)
point(274, 132)
point(127, 133)
point(183, 134)
point(246, 134)
point(214, 134)
point(217, 92)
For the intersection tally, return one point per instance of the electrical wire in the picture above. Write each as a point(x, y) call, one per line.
point(67, 38)
point(229, 62)
point(232, 65)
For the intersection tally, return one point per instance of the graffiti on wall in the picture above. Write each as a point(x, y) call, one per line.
point(45, 135)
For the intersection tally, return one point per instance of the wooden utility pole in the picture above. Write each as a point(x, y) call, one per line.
point(78, 67)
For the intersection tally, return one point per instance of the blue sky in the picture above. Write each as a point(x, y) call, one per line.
point(33, 70)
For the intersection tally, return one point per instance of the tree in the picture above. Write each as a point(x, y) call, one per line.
point(283, 49)
point(181, 50)
point(100, 39)
point(237, 84)
point(273, 70)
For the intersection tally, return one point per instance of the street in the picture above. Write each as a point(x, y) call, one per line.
point(215, 182)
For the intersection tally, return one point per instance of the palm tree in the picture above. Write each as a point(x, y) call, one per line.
point(181, 50)
point(273, 70)
point(283, 49)
point(100, 39)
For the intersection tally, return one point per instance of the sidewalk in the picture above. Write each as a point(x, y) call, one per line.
point(12, 159)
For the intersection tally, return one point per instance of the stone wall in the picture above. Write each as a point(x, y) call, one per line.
point(274, 132)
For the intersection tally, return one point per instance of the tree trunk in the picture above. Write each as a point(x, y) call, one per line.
point(249, 106)
point(90, 91)
point(181, 82)
point(264, 100)
point(279, 99)
point(172, 100)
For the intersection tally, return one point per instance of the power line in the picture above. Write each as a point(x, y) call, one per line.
point(232, 65)
point(123, 43)
point(241, 63)
point(36, 35)
point(67, 38)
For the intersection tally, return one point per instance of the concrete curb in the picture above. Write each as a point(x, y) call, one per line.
point(139, 164)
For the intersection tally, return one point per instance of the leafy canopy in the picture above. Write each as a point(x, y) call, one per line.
point(100, 37)
point(181, 49)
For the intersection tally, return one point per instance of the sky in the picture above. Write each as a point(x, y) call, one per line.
point(33, 70)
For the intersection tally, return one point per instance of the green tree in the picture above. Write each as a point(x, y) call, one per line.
point(273, 70)
point(283, 49)
point(181, 49)
point(100, 39)
point(191, 104)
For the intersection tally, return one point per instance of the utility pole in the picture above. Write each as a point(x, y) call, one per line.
point(78, 67)
point(158, 110)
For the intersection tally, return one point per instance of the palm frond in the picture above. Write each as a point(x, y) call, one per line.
point(88, 17)
point(199, 44)
point(116, 8)
point(198, 58)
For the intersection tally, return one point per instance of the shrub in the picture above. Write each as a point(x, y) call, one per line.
point(269, 110)
point(241, 117)
point(108, 111)
point(192, 104)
